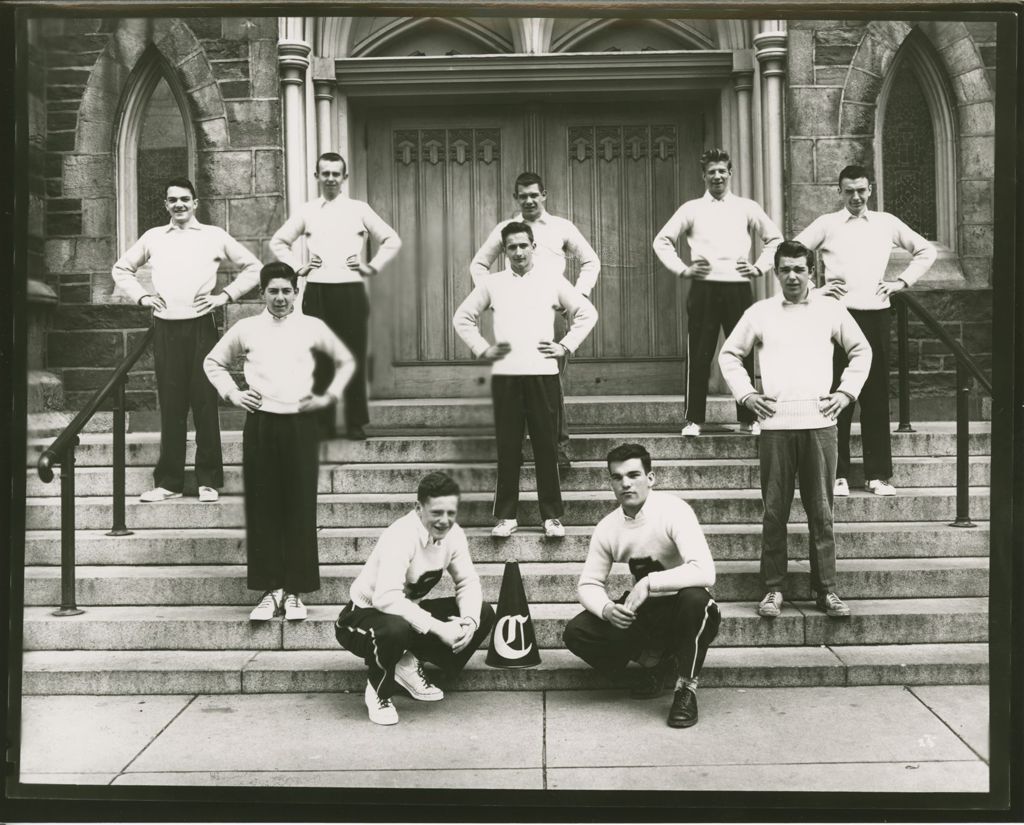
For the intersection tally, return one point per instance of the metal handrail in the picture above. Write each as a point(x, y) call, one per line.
point(966, 367)
point(62, 453)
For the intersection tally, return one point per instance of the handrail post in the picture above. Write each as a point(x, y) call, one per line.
point(903, 360)
point(118, 528)
point(963, 450)
point(68, 607)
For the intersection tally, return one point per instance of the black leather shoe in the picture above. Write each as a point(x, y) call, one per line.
point(650, 682)
point(356, 434)
point(683, 713)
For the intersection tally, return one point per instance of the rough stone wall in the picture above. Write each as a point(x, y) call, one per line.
point(227, 71)
point(836, 70)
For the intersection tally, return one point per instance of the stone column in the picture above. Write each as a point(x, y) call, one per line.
point(323, 91)
point(743, 83)
point(771, 54)
point(293, 59)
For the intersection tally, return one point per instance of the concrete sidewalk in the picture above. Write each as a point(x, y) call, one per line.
point(918, 739)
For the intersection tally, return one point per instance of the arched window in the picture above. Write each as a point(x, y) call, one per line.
point(915, 143)
point(155, 141)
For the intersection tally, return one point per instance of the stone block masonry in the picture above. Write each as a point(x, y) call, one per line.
point(225, 70)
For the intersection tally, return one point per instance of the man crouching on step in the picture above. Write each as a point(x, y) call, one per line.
point(668, 621)
point(388, 625)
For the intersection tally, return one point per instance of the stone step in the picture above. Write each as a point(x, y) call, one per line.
point(930, 439)
point(418, 415)
point(548, 582)
point(352, 545)
point(154, 672)
point(874, 622)
point(688, 474)
point(581, 508)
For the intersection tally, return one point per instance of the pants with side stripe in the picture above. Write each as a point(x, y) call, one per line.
point(709, 306)
point(683, 625)
point(381, 639)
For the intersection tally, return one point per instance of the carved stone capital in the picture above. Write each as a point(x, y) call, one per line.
point(771, 52)
point(293, 59)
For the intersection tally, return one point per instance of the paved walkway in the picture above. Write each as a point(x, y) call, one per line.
point(926, 739)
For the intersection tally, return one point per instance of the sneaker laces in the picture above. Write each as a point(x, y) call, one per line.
point(382, 703)
point(268, 600)
point(771, 598)
point(291, 600)
point(553, 522)
point(423, 676)
point(832, 600)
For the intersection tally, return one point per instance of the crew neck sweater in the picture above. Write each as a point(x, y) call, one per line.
point(855, 249)
point(718, 230)
point(557, 239)
point(335, 230)
point(405, 565)
point(664, 537)
point(524, 314)
point(794, 344)
point(278, 356)
point(184, 263)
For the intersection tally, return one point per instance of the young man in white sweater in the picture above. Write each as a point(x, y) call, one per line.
point(280, 442)
point(669, 619)
point(855, 244)
point(524, 375)
point(717, 227)
point(389, 623)
point(336, 228)
point(184, 256)
point(558, 240)
point(794, 333)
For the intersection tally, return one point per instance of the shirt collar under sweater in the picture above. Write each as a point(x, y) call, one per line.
point(728, 196)
point(192, 224)
point(426, 540)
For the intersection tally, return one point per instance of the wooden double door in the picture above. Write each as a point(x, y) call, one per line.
point(443, 177)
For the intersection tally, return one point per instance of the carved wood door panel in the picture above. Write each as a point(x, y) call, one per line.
point(619, 172)
point(442, 178)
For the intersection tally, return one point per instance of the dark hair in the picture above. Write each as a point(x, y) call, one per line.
point(715, 156)
point(277, 269)
point(512, 227)
point(853, 172)
point(527, 179)
point(624, 452)
point(436, 484)
point(181, 183)
point(794, 249)
point(332, 157)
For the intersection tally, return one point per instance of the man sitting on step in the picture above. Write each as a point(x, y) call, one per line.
point(524, 377)
point(388, 623)
point(669, 619)
point(280, 442)
point(793, 334)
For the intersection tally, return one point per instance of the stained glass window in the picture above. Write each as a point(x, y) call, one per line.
point(908, 155)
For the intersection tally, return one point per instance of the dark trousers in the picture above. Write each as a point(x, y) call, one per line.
point(381, 639)
point(280, 468)
point(345, 308)
point(683, 625)
point(521, 399)
point(810, 456)
point(711, 306)
point(179, 348)
point(562, 324)
point(873, 399)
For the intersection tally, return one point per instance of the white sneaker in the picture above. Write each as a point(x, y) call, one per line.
point(553, 528)
point(208, 494)
point(880, 488)
point(840, 488)
point(691, 429)
point(294, 609)
point(505, 528)
point(751, 429)
point(158, 494)
point(409, 674)
point(268, 607)
point(382, 712)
